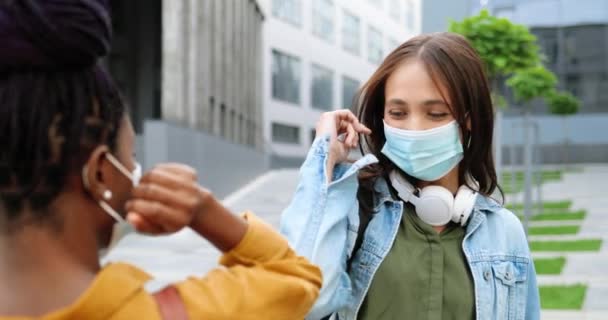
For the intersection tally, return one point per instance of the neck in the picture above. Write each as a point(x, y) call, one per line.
point(38, 258)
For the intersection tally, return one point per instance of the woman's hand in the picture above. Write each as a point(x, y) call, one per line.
point(166, 200)
point(169, 198)
point(343, 129)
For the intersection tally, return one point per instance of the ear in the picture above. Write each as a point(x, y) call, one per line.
point(95, 171)
point(468, 121)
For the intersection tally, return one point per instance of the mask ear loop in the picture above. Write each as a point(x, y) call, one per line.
point(103, 204)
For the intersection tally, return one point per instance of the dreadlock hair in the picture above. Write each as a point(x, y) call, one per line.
point(50, 121)
point(56, 102)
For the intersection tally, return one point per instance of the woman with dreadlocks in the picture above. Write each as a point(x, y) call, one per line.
point(70, 186)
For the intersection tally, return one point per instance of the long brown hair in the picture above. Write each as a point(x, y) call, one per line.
point(452, 62)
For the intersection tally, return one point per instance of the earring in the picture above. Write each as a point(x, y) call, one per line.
point(107, 195)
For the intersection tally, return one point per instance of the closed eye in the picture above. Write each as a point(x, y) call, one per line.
point(438, 115)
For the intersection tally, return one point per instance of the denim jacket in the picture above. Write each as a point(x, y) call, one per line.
point(322, 221)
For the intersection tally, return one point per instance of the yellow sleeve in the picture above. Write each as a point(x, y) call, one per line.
point(263, 278)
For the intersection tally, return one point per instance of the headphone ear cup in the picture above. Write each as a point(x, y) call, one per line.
point(435, 205)
point(463, 204)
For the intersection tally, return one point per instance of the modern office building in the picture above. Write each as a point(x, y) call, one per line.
point(192, 73)
point(316, 54)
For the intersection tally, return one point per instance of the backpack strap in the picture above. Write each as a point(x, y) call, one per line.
point(170, 304)
point(364, 217)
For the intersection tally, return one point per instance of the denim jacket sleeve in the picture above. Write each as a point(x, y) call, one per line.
point(318, 219)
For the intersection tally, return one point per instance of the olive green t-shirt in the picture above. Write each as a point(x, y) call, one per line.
point(425, 276)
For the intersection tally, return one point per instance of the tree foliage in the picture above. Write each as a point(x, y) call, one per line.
point(505, 47)
point(563, 103)
point(532, 83)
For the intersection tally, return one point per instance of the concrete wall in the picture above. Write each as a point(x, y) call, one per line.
point(211, 74)
point(222, 166)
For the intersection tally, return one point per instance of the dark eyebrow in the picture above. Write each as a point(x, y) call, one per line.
point(397, 102)
point(429, 103)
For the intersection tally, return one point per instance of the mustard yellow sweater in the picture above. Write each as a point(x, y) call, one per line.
point(262, 278)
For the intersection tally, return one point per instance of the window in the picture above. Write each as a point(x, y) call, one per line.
point(323, 19)
point(351, 33)
point(285, 77)
point(410, 19)
point(374, 45)
point(285, 134)
point(288, 11)
point(321, 88)
point(395, 10)
point(349, 89)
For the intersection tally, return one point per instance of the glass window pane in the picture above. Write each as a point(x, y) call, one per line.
point(349, 90)
point(288, 11)
point(321, 88)
point(351, 33)
point(285, 133)
point(323, 19)
point(374, 45)
point(285, 77)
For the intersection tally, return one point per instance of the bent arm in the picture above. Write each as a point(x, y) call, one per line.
point(321, 223)
point(263, 278)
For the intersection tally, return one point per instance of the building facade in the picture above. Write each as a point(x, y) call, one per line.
point(316, 54)
point(192, 73)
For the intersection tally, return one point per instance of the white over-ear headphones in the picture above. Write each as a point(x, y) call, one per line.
point(436, 205)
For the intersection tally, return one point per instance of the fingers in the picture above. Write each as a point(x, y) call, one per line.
point(348, 135)
point(351, 137)
point(155, 215)
point(162, 194)
point(178, 169)
point(142, 225)
point(348, 116)
point(168, 178)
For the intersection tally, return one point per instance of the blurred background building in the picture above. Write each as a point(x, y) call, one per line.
point(573, 35)
point(316, 54)
point(192, 72)
point(234, 87)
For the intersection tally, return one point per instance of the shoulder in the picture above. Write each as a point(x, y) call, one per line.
point(502, 225)
point(118, 270)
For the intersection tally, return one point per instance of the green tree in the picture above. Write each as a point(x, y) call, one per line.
point(505, 48)
point(563, 104)
point(531, 83)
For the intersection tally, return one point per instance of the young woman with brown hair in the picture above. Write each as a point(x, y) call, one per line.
point(410, 230)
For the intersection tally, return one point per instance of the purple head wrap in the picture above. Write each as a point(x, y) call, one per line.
point(53, 34)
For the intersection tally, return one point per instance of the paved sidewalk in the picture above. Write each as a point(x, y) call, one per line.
point(588, 190)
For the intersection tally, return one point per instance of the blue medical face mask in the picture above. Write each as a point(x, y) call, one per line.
point(427, 155)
